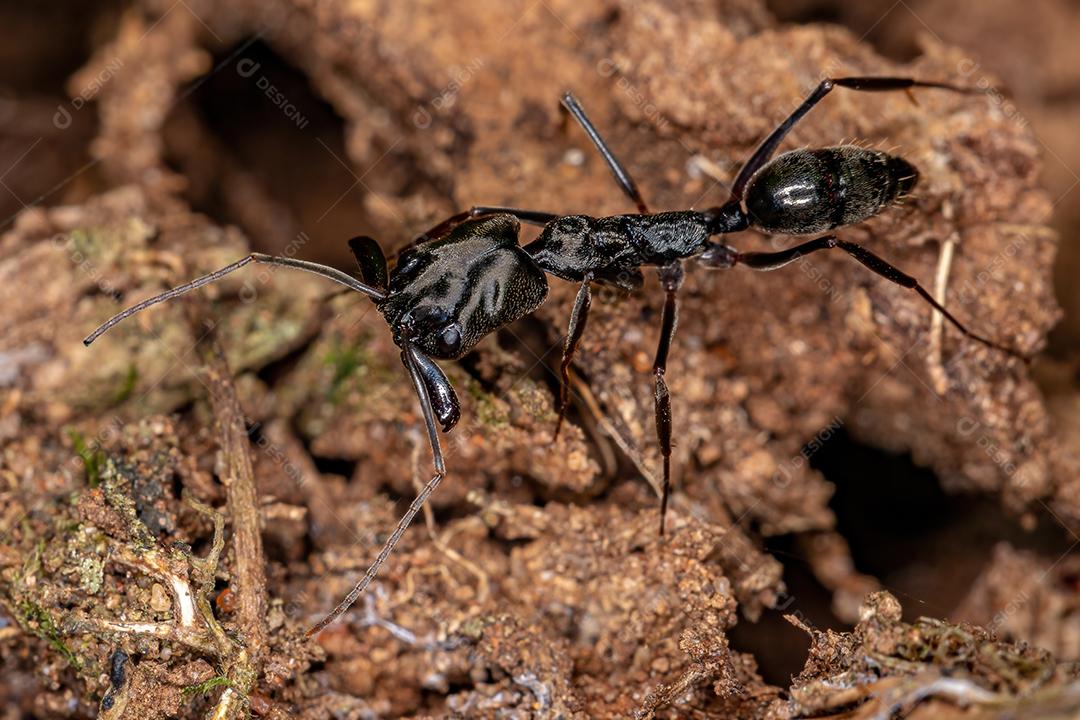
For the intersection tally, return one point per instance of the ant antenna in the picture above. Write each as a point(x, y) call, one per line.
point(315, 268)
point(409, 356)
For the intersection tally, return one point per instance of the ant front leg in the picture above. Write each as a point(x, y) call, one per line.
point(579, 316)
point(768, 146)
point(671, 277)
point(421, 372)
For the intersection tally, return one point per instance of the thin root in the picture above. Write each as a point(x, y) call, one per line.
point(937, 323)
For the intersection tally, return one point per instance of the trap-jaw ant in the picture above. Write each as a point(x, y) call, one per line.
point(469, 276)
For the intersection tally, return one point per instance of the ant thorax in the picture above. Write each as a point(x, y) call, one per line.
point(577, 246)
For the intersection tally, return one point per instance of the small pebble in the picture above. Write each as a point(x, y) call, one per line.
point(159, 599)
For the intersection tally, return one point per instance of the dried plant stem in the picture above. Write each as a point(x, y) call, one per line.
point(249, 580)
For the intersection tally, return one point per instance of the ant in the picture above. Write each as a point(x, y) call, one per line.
point(469, 275)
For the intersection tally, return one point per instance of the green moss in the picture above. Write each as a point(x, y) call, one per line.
point(98, 242)
point(473, 628)
point(127, 385)
point(115, 485)
point(346, 362)
point(31, 616)
point(84, 242)
point(475, 391)
point(92, 459)
point(33, 560)
point(38, 621)
point(488, 411)
point(207, 685)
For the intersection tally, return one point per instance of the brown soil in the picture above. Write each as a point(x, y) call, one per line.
point(873, 516)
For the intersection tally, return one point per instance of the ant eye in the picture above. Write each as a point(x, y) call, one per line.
point(450, 340)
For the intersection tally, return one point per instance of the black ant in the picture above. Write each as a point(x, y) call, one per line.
point(469, 276)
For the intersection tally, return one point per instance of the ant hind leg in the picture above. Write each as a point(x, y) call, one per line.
point(875, 263)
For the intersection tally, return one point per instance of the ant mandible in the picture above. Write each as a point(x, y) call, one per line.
point(469, 276)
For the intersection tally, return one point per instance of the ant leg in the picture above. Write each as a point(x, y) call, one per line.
point(409, 357)
point(774, 260)
point(671, 276)
point(531, 217)
point(622, 177)
point(578, 317)
point(768, 146)
point(315, 268)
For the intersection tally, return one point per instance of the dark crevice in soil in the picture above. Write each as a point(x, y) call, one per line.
point(471, 365)
point(796, 13)
point(925, 545)
point(778, 646)
point(902, 527)
point(870, 23)
point(334, 466)
point(257, 146)
point(46, 120)
point(46, 43)
point(276, 370)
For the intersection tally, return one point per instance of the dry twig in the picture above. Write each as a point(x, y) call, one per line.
point(249, 580)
